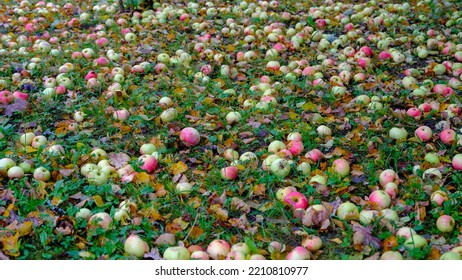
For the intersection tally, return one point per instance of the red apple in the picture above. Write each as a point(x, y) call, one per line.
point(229, 173)
point(298, 253)
point(149, 163)
point(424, 133)
point(380, 199)
point(190, 136)
point(448, 136)
point(297, 200)
point(457, 162)
point(218, 249)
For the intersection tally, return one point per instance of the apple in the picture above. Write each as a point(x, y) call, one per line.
point(295, 147)
point(445, 223)
point(169, 115)
point(398, 133)
point(184, 187)
point(367, 216)
point(450, 256)
point(405, 232)
point(266, 164)
point(448, 136)
point(15, 172)
point(257, 257)
point(121, 115)
point(415, 241)
point(6, 164)
point(294, 136)
point(235, 255)
point(389, 215)
point(163, 58)
point(98, 154)
point(298, 253)
point(26, 138)
point(391, 255)
point(56, 150)
point(147, 149)
point(457, 162)
point(439, 197)
point(380, 199)
point(249, 158)
point(233, 117)
point(39, 141)
point(297, 200)
point(199, 255)
point(165, 101)
point(432, 158)
point(231, 154)
point(388, 176)
point(83, 213)
point(318, 179)
point(276, 146)
point(87, 168)
point(304, 168)
point(190, 136)
point(323, 131)
point(218, 249)
point(314, 155)
point(121, 215)
point(135, 246)
point(391, 189)
point(42, 174)
point(229, 173)
point(27, 166)
point(88, 53)
point(282, 193)
point(97, 177)
point(341, 167)
point(176, 253)
point(347, 211)
point(241, 247)
point(130, 37)
point(280, 167)
point(149, 163)
point(424, 133)
point(100, 220)
point(312, 243)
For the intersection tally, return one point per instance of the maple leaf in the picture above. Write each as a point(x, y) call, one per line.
point(118, 160)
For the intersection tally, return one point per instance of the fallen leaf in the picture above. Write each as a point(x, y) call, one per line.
point(178, 168)
point(118, 160)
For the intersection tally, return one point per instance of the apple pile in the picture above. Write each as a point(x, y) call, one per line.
point(243, 130)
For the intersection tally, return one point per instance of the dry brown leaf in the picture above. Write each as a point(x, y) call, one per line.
point(239, 205)
point(219, 212)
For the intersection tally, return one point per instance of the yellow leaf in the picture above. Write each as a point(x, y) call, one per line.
point(61, 130)
point(178, 168)
point(171, 36)
point(21, 228)
point(10, 243)
point(336, 240)
point(230, 48)
point(293, 115)
point(56, 201)
point(98, 200)
point(142, 178)
point(309, 106)
point(30, 150)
